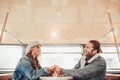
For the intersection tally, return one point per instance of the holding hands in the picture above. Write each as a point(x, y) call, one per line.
point(55, 71)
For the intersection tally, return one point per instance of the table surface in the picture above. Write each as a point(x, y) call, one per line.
point(57, 78)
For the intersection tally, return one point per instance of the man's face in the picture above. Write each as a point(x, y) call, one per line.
point(89, 50)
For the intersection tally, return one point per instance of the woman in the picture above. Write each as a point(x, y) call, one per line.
point(28, 67)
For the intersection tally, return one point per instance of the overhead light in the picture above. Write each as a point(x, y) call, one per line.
point(54, 34)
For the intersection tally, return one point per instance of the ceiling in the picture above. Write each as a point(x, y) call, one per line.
point(60, 21)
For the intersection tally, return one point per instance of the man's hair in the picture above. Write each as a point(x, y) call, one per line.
point(96, 45)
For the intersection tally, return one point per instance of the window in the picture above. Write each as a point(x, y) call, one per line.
point(68, 56)
point(111, 56)
point(64, 56)
point(9, 56)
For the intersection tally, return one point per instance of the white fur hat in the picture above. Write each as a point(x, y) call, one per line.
point(32, 44)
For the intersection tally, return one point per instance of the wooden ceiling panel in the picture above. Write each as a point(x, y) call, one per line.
point(60, 21)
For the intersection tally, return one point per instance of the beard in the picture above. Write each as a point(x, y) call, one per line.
point(88, 54)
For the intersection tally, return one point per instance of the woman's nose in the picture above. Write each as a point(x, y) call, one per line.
point(40, 49)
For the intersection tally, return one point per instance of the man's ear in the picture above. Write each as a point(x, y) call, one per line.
point(94, 51)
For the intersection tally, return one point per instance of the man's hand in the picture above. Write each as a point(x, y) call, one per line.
point(52, 68)
point(55, 71)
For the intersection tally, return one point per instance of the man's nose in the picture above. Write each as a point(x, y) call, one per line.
point(85, 48)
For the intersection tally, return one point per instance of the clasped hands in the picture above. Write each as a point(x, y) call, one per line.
point(55, 71)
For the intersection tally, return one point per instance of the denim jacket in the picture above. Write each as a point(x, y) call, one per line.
point(25, 71)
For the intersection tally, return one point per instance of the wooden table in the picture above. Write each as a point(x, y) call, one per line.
point(112, 76)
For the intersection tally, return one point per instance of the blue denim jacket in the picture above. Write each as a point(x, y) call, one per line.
point(24, 70)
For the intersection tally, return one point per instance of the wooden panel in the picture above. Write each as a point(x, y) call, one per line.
point(112, 77)
point(5, 77)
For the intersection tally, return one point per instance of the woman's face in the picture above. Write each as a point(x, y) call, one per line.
point(36, 50)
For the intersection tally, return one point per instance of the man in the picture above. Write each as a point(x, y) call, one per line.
point(28, 67)
point(90, 67)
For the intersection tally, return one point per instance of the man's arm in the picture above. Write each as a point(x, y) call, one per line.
point(93, 69)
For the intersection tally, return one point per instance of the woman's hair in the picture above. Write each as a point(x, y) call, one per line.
point(96, 45)
point(34, 62)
